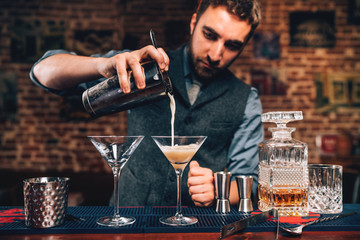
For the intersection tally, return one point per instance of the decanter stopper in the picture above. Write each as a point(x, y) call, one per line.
point(282, 118)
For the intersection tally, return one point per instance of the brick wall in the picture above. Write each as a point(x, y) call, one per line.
point(39, 138)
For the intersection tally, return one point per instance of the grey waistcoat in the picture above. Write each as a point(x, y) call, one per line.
point(148, 178)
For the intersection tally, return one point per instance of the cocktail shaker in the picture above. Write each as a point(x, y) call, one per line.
point(107, 97)
point(244, 184)
point(222, 190)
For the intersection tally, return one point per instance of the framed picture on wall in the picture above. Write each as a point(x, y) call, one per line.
point(8, 96)
point(266, 46)
point(31, 39)
point(354, 12)
point(312, 29)
point(335, 90)
point(271, 81)
point(326, 144)
point(88, 42)
point(355, 93)
point(338, 91)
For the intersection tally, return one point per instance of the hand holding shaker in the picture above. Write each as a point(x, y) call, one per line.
point(244, 184)
point(107, 97)
point(222, 188)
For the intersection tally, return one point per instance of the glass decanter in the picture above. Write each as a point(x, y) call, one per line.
point(283, 173)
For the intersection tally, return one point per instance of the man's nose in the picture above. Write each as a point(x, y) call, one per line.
point(216, 52)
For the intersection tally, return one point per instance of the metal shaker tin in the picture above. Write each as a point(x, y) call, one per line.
point(107, 97)
point(45, 201)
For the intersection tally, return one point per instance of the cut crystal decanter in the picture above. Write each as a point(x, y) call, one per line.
point(283, 174)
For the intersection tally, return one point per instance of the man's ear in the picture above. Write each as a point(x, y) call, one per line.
point(192, 23)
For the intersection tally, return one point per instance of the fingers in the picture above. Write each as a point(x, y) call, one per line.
point(166, 59)
point(150, 52)
point(194, 163)
point(192, 168)
point(144, 54)
point(200, 179)
point(130, 62)
point(135, 59)
point(201, 185)
point(203, 200)
point(201, 190)
point(137, 72)
point(123, 75)
point(196, 170)
point(202, 195)
point(126, 64)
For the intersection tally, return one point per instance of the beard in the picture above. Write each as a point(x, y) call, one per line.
point(198, 66)
point(202, 74)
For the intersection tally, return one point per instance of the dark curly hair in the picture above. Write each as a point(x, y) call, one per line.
point(249, 10)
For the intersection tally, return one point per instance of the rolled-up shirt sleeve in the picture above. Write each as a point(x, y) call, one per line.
point(36, 81)
point(78, 89)
point(243, 156)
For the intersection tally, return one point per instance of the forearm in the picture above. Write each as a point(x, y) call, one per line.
point(63, 71)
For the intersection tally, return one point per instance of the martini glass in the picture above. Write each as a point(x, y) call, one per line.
point(179, 155)
point(116, 150)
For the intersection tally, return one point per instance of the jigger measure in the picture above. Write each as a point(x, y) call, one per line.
point(244, 184)
point(222, 190)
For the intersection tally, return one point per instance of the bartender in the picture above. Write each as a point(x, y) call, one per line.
point(221, 107)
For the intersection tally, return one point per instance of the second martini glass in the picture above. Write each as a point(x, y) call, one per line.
point(116, 150)
point(179, 154)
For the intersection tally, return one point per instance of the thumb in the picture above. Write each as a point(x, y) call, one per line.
point(194, 164)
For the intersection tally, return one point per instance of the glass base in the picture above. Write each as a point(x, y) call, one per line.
point(111, 221)
point(178, 221)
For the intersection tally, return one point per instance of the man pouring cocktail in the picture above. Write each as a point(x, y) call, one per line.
point(218, 106)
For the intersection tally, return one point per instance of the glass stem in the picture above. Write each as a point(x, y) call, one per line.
point(178, 204)
point(116, 172)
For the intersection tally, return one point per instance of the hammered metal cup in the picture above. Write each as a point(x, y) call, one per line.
point(325, 188)
point(45, 201)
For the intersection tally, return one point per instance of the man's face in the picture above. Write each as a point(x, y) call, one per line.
point(216, 40)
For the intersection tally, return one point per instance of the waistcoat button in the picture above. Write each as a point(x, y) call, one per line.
point(172, 178)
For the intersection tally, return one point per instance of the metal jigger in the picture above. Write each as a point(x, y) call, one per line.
point(244, 184)
point(222, 188)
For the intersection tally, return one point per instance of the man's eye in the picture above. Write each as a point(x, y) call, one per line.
point(210, 36)
point(233, 46)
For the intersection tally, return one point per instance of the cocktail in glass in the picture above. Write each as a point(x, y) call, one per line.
point(116, 150)
point(179, 150)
